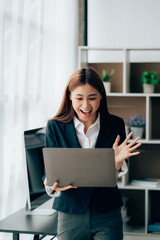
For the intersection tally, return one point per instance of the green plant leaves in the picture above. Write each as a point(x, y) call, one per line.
point(149, 78)
point(105, 76)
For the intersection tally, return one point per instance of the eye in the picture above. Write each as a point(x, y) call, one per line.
point(92, 99)
point(79, 99)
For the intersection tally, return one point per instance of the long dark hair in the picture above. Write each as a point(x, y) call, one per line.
point(81, 76)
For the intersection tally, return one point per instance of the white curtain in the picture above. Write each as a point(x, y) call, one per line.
point(38, 52)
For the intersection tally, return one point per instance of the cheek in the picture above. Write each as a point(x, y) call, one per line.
point(75, 105)
point(96, 105)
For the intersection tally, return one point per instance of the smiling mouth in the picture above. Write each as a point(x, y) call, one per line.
point(86, 113)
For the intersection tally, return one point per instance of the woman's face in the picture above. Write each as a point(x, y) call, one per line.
point(85, 101)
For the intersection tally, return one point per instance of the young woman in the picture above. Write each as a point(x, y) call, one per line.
point(83, 121)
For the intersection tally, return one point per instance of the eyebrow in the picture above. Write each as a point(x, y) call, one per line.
point(90, 95)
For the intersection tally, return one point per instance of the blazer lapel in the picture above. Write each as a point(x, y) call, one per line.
point(106, 134)
point(70, 133)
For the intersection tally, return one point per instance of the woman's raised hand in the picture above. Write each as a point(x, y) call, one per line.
point(56, 188)
point(124, 150)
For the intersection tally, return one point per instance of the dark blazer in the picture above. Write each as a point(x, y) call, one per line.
point(63, 135)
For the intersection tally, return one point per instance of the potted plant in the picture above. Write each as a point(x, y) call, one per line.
point(149, 80)
point(136, 124)
point(105, 79)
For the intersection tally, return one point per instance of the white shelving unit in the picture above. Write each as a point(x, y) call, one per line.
point(127, 98)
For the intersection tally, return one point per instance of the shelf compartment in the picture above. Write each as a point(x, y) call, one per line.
point(146, 164)
point(117, 78)
point(136, 70)
point(155, 118)
point(125, 106)
point(154, 207)
point(135, 206)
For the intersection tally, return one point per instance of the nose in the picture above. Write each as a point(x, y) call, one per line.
point(86, 104)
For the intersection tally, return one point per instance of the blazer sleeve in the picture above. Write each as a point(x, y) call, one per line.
point(50, 141)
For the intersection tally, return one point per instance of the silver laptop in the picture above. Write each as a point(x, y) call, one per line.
point(80, 167)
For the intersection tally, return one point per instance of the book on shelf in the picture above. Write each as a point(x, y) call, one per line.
point(147, 182)
point(155, 227)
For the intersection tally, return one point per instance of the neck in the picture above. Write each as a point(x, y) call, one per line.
point(89, 123)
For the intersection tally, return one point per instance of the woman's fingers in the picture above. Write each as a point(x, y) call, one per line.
point(133, 142)
point(56, 188)
point(55, 185)
point(133, 154)
point(135, 147)
point(128, 137)
point(116, 141)
point(65, 188)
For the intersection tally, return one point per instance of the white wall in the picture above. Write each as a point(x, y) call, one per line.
point(124, 23)
point(60, 51)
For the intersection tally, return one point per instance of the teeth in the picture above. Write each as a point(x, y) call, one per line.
point(86, 111)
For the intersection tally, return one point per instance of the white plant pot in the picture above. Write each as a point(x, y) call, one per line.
point(107, 86)
point(148, 88)
point(137, 132)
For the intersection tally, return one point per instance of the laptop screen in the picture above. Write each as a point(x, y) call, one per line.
point(34, 141)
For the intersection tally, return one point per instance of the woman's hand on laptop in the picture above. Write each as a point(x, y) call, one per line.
point(55, 187)
point(124, 150)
